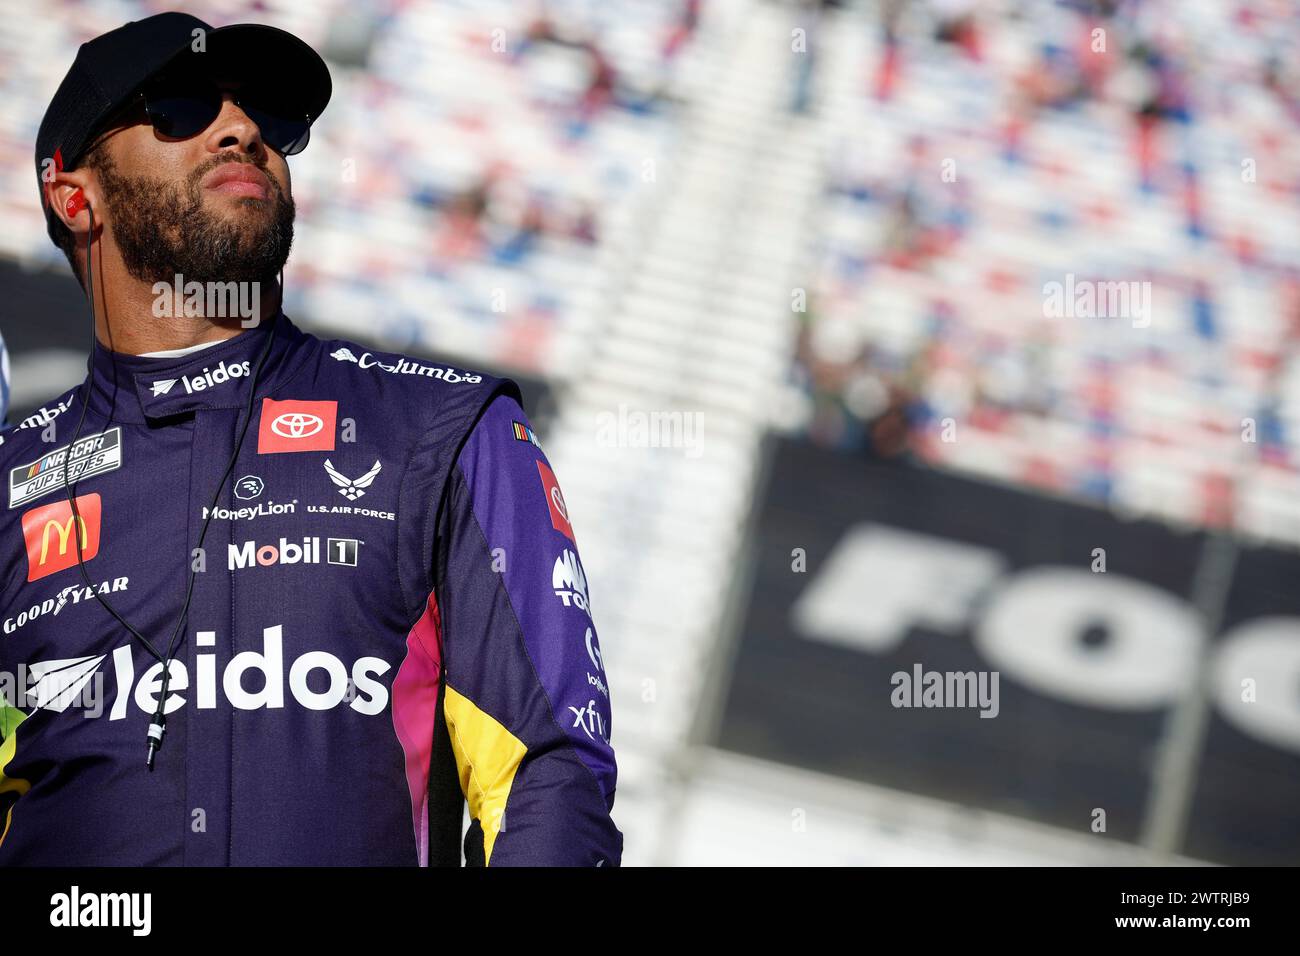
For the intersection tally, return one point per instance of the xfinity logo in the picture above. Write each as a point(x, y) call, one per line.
point(208, 378)
point(588, 718)
point(337, 551)
point(405, 367)
point(251, 680)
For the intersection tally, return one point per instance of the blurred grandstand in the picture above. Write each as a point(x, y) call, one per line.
point(831, 232)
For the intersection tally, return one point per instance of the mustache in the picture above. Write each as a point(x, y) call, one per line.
point(195, 177)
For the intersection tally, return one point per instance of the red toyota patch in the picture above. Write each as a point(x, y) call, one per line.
point(296, 426)
point(555, 501)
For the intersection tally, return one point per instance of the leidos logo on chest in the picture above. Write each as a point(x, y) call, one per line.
point(290, 426)
point(59, 684)
point(208, 378)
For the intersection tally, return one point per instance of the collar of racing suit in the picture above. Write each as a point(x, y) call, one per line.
point(138, 389)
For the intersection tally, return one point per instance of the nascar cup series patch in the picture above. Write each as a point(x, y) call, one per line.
point(92, 455)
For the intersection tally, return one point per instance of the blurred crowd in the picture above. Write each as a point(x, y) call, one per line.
point(456, 194)
point(983, 152)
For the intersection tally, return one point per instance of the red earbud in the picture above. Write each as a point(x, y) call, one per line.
point(76, 203)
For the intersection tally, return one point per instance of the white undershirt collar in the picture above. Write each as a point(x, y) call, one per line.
point(177, 353)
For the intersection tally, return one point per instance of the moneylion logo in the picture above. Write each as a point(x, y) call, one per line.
point(249, 487)
point(352, 488)
point(251, 512)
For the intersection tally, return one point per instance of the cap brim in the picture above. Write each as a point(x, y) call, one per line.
point(253, 50)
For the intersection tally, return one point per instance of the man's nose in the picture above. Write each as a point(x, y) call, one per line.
point(234, 128)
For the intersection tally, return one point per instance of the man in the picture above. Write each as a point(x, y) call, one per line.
point(270, 599)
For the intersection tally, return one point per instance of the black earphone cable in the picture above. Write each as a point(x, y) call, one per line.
point(158, 724)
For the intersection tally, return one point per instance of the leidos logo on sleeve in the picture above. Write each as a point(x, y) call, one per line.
point(296, 426)
point(48, 531)
point(555, 501)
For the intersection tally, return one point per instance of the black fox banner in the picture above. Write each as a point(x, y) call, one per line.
point(904, 629)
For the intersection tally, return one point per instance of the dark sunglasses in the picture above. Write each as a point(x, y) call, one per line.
point(184, 106)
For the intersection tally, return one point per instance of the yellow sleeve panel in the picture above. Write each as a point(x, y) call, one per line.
point(487, 757)
point(10, 718)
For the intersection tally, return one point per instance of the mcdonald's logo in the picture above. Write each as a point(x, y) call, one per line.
point(48, 531)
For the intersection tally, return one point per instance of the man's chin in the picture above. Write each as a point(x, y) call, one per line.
point(234, 202)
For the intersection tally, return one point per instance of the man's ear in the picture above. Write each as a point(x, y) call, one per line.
point(69, 194)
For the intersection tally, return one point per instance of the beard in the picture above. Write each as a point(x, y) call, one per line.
point(163, 228)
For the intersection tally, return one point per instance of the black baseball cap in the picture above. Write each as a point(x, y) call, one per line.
point(110, 68)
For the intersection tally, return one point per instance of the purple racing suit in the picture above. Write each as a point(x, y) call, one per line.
point(389, 621)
